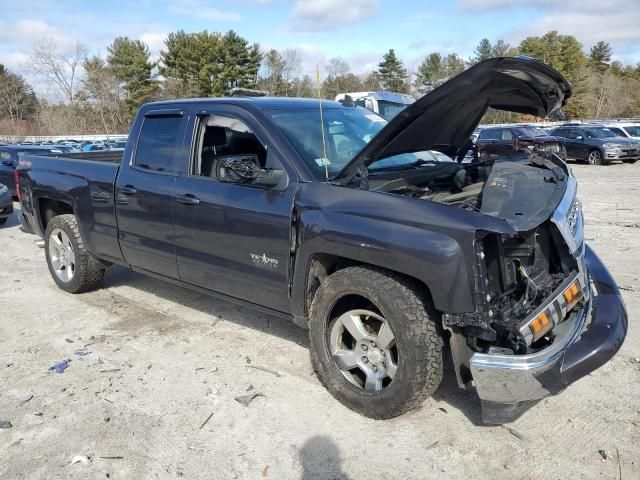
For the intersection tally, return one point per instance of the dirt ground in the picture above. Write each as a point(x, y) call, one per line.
point(155, 397)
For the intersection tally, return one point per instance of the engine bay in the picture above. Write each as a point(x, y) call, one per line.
point(514, 273)
point(447, 183)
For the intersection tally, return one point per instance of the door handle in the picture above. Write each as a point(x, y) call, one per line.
point(128, 190)
point(188, 199)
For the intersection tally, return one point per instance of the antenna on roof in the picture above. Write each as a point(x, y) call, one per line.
point(325, 160)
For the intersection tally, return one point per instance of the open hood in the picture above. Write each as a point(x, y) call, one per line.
point(445, 118)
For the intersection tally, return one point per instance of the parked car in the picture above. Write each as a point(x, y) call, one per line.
point(6, 204)
point(515, 142)
point(596, 144)
point(9, 156)
point(382, 261)
point(626, 130)
point(94, 147)
point(67, 148)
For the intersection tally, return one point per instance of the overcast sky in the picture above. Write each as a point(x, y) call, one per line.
point(360, 31)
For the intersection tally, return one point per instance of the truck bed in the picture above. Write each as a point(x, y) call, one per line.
point(108, 156)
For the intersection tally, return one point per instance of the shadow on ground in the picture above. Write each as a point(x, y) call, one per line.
point(320, 460)
point(227, 310)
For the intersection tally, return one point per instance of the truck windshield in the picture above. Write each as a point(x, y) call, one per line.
point(347, 130)
point(390, 109)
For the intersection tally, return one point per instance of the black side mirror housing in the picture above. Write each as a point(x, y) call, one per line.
point(9, 163)
point(246, 170)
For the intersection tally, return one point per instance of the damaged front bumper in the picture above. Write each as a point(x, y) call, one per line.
point(510, 384)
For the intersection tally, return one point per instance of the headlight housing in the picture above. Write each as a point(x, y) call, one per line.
point(574, 216)
point(3, 189)
point(612, 146)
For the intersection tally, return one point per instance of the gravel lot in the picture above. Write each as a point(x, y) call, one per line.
point(164, 360)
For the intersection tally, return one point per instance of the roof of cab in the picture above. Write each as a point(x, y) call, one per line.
point(262, 103)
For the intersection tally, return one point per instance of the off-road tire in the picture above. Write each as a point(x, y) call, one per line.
point(412, 320)
point(88, 271)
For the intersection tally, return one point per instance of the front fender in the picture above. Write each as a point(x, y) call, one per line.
point(436, 259)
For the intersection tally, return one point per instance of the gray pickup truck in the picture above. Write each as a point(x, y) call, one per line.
point(372, 234)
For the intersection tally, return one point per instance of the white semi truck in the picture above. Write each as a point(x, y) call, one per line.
point(386, 104)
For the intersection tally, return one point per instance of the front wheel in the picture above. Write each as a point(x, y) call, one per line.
point(374, 342)
point(594, 157)
point(71, 266)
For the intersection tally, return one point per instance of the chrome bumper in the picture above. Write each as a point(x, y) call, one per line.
point(509, 384)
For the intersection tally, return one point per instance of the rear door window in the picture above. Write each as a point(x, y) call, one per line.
point(561, 132)
point(489, 134)
point(159, 144)
point(506, 135)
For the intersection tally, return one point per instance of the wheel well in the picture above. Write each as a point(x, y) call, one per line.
point(322, 265)
point(49, 208)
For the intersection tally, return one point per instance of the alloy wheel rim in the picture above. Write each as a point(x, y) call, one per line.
point(62, 255)
point(594, 158)
point(363, 347)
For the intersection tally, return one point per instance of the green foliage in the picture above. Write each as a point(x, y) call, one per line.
point(564, 53)
point(208, 64)
point(431, 72)
point(340, 79)
point(17, 99)
point(483, 51)
point(280, 69)
point(436, 69)
point(392, 73)
point(600, 56)
point(130, 63)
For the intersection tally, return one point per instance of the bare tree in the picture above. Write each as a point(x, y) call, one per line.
point(337, 67)
point(58, 67)
point(102, 93)
point(291, 65)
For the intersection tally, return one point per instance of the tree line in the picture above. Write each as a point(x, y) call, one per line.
point(88, 93)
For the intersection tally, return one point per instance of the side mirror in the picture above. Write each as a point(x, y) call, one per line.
point(9, 163)
point(246, 170)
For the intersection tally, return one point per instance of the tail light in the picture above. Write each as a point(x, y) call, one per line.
point(16, 176)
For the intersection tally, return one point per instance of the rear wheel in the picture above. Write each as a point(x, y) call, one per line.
point(594, 157)
point(71, 266)
point(374, 342)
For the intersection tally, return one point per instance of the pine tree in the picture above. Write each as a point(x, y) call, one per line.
point(600, 56)
point(431, 72)
point(483, 51)
point(17, 99)
point(454, 65)
point(392, 73)
point(129, 61)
